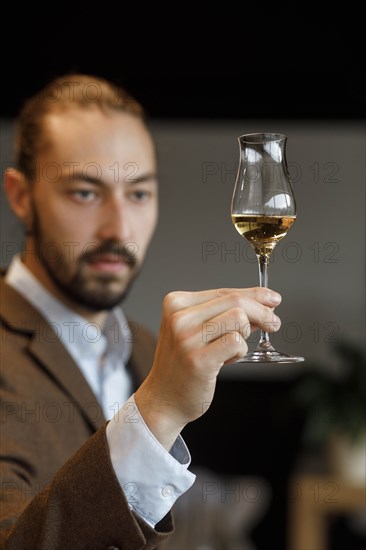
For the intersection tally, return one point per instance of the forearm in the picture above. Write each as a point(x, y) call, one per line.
point(151, 477)
point(83, 506)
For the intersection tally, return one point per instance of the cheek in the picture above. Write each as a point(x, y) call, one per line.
point(61, 228)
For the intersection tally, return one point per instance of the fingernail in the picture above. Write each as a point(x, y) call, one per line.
point(275, 298)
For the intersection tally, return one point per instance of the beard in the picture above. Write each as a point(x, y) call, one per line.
point(73, 277)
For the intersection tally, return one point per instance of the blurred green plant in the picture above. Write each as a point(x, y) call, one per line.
point(334, 403)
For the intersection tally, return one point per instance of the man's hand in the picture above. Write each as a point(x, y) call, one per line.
point(200, 332)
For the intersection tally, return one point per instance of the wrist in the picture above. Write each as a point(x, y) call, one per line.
point(157, 418)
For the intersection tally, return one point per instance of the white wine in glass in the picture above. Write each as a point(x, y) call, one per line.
point(263, 209)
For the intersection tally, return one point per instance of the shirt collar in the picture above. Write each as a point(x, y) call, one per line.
point(80, 336)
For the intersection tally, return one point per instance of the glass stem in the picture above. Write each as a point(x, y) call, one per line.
point(263, 264)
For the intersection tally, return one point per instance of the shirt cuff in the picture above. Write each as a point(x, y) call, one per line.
point(151, 477)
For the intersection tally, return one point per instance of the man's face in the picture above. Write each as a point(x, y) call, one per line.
point(94, 206)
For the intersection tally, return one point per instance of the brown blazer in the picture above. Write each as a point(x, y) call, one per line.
point(58, 486)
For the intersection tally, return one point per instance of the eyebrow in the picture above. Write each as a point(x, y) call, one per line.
point(149, 176)
point(144, 177)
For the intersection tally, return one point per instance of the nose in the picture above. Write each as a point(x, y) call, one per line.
point(116, 221)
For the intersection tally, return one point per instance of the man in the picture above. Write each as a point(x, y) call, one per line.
point(92, 410)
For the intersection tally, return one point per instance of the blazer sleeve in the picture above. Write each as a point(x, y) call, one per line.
point(83, 508)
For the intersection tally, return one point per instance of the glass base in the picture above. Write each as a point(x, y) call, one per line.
point(270, 357)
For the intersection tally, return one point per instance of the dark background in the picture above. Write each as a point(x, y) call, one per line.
point(298, 60)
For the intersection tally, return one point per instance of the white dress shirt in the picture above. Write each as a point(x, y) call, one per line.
point(151, 478)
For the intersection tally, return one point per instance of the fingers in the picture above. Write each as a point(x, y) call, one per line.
point(212, 325)
point(233, 309)
point(176, 301)
point(234, 321)
point(225, 350)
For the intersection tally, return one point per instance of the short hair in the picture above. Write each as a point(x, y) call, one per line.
point(61, 94)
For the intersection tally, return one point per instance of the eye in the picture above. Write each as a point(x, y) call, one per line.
point(83, 195)
point(140, 195)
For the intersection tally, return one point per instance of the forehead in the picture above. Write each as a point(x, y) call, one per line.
point(92, 136)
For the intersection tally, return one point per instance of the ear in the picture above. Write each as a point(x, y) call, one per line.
point(19, 195)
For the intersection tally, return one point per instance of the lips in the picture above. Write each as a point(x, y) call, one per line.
point(109, 263)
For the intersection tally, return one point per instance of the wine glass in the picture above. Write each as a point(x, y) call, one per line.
point(263, 209)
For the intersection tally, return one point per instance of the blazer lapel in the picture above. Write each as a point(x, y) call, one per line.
point(45, 346)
